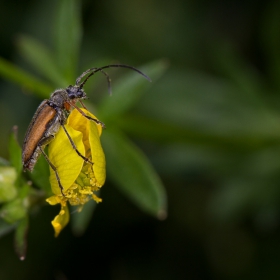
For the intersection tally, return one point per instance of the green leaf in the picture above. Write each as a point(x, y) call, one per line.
point(191, 106)
point(41, 59)
point(133, 174)
point(80, 220)
point(67, 35)
point(15, 152)
point(166, 132)
point(18, 76)
point(21, 238)
point(128, 90)
point(24, 191)
point(244, 75)
point(40, 175)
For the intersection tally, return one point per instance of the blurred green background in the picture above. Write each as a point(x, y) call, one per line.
point(211, 132)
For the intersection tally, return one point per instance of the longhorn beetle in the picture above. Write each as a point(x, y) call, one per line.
point(52, 114)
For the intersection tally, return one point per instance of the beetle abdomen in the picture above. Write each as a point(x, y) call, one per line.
point(36, 132)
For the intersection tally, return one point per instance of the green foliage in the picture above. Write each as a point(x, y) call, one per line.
point(81, 219)
point(70, 31)
point(138, 180)
point(128, 91)
point(42, 60)
point(40, 175)
point(209, 126)
point(21, 238)
point(20, 77)
point(130, 169)
point(15, 152)
point(8, 190)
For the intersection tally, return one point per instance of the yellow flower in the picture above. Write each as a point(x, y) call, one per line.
point(80, 180)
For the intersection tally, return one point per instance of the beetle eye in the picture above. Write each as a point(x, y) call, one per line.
point(80, 94)
point(71, 93)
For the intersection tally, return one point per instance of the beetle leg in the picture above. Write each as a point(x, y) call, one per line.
point(52, 167)
point(84, 106)
point(88, 117)
point(45, 141)
point(74, 146)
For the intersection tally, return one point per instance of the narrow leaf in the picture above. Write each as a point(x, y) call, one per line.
point(15, 151)
point(18, 76)
point(133, 174)
point(80, 220)
point(129, 89)
point(40, 175)
point(68, 34)
point(21, 238)
point(244, 75)
point(168, 132)
point(41, 59)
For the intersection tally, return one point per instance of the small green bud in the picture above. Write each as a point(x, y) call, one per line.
point(8, 189)
point(13, 211)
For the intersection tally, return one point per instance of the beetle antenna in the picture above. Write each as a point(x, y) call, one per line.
point(108, 81)
point(94, 70)
point(90, 70)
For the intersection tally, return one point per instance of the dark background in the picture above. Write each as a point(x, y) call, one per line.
point(221, 175)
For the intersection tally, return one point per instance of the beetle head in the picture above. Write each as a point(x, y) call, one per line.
point(75, 92)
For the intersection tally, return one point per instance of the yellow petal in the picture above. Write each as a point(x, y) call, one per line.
point(65, 159)
point(97, 154)
point(53, 200)
point(91, 132)
point(61, 220)
point(78, 121)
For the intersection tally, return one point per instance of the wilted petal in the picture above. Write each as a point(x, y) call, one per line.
point(53, 200)
point(61, 220)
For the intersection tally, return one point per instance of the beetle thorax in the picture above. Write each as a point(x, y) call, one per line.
point(59, 97)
